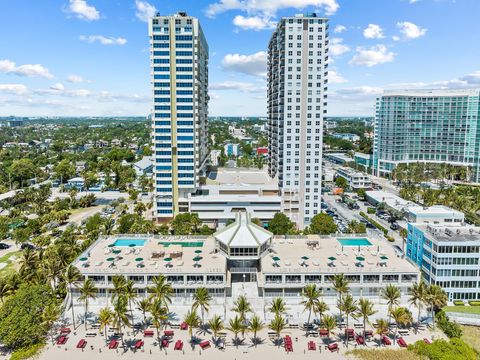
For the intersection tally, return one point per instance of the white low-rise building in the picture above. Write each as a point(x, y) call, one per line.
point(214, 155)
point(437, 214)
point(356, 179)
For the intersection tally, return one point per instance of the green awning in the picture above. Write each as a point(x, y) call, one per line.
point(83, 259)
point(275, 258)
point(305, 257)
point(383, 257)
point(168, 259)
point(197, 258)
point(117, 251)
point(111, 245)
point(131, 245)
point(110, 259)
point(360, 258)
point(139, 259)
point(332, 258)
point(198, 251)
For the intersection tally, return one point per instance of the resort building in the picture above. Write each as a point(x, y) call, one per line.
point(179, 76)
point(447, 255)
point(432, 126)
point(356, 179)
point(297, 85)
point(245, 254)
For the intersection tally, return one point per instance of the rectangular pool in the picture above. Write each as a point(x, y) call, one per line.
point(355, 242)
point(128, 242)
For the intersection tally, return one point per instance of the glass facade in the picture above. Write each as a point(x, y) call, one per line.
point(436, 126)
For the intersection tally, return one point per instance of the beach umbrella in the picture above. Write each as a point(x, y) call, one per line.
point(167, 260)
point(110, 259)
point(83, 259)
point(139, 259)
point(197, 259)
point(383, 257)
point(111, 245)
point(131, 245)
point(116, 251)
point(305, 257)
point(276, 258)
point(198, 251)
point(332, 258)
point(360, 258)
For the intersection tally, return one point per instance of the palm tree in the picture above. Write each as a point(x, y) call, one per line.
point(49, 316)
point(201, 299)
point(5, 289)
point(120, 317)
point(382, 328)
point(71, 277)
point(278, 324)
point(105, 317)
point(321, 308)
point(130, 294)
point(216, 325)
point(87, 291)
point(329, 323)
point(365, 310)
point(401, 317)
point(392, 295)
point(161, 290)
point(236, 325)
point(255, 326)
point(159, 315)
point(242, 307)
point(144, 307)
point(436, 298)
point(277, 306)
point(340, 284)
point(311, 295)
point(349, 307)
point(418, 295)
point(108, 226)
point(192, 320)
point(118, 282)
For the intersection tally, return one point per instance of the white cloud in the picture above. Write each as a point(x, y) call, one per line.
point(339, 29)
point(269, 7)
point(83, 10)
point(373, 31)
point(337, 48)
point(253, 23)
point(471, 80)
point(237, 85)
point(17, 89)
point(145, 10)
point(410, 30)
point(104, 40)
point(254, 64)
point(75, 79)
point(30, 70)
point(106, 96)
point(372, 56)
point(395, 38)
point(413, 1)
point(57, 87)
point(335, 77)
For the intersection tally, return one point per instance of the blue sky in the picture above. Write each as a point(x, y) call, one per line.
point(90, 57)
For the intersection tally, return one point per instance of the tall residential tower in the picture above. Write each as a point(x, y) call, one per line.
point(297, 85)
point(179, 75)
point(431, 126)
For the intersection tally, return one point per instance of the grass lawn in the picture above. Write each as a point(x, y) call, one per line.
point(463, 309)
point(383, 354)
point(471, 335)
point(6, 259)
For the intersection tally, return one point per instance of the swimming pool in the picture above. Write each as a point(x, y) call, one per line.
point(355, 242)
point(182, 243)
point(128, 242)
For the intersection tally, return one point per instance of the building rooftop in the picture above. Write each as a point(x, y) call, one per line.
point(327, 255)
point(242, 177)
point(436, 209)
point(243, 233)
point(451, 233)
point(431, 92)
point(390, 199)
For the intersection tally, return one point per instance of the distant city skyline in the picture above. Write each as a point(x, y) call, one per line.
point(91, 57)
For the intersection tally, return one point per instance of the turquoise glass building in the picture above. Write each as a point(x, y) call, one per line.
point(433, 126)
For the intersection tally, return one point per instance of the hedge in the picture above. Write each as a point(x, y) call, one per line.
point(371, 210)
point(474, 303)
point(27, 352)
point(458, 303)
point(374, 223)
point(450, 328)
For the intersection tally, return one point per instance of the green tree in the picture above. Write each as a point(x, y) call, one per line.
point(329, 323)
point(21, 170)
point(120, 318)
point(201, 299)
point(87, 291)
point(382, 328)
point(277, 306)
point(418, 296)
point(64, 170)
point(340, 284)
point(242, 307)
point(216, 325)
point(401, 317)
point(193, 321)
point(144, 306)
point(71, 277)
point(311, 299)
point(322, 224)
point(159, 315)
point(161, 290)
point(436, 298)
point(49, 316)
point(365, 310)
point(255, 326)
point(236, 325)
point(105, 317)
point(341, 182)
point(391, 294)
point(277, 325)
point(281, 224)
point(349, 307)
point(185, 224)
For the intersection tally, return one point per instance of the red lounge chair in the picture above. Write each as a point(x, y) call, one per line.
point(168, 332)
point(164, 343)
point(179, 345)
point(312, 346)
point(402, 343)
point(368, 333)
point(62, 340)
point(350, 333)
point(360, 340)
point(205, 344)
point(386, 340)
point(323, 332)
point(113, 344)
point(333, 347)
point(65, 331)
point(81, 344)
point(148, 333)
point(426, 341)
point(183, 326)
point(138, 344)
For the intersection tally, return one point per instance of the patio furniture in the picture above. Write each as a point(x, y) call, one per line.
point(402, 343)
point(183, 326)
point(148, 333)
point(65, 331)
point(165, 343)
point(350, 333)
point(323, 332)
point(178, 345)
point(81, 344)
point(205, 344)
point(368, 333)
point(360, 340)
point(138, 344)
point(168, 333)
point(333, 347)
point(386, 340)
point(312, 346)
point(427, 341)
point(113, 344)
point(62, 340)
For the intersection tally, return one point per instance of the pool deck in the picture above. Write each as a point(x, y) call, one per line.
point(290, 252)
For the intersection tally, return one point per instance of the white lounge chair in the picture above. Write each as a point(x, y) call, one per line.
point(126, 264)
point(315, 263)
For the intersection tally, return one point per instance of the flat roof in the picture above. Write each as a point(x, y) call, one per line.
point(450, 233)
point(229, 176)
point(291, 250)
point(435, 209)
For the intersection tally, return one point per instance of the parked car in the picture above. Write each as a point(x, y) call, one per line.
point(26, 245)
point(4, 246)
point(394, 226)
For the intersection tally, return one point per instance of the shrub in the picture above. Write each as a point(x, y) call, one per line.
point(474, 303)
point(458, 303)
point(450, 328)
point(455, 349)
point(391, 239)
point(374, 223)
point(371, 210)
point(27, 352)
